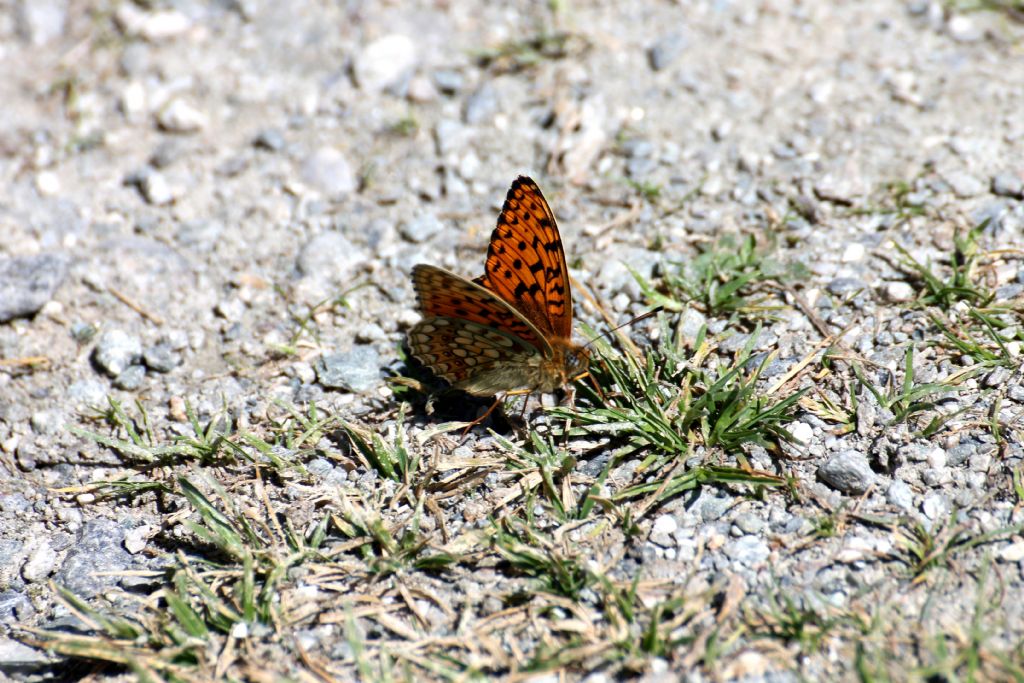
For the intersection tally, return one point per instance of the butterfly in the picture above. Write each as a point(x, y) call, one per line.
point(509, 331)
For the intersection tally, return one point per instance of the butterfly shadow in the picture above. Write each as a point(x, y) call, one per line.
point(433, 400)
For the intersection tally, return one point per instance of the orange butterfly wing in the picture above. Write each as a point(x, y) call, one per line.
point(446, 295)
point(525, 262)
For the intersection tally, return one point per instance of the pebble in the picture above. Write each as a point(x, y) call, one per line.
point(898, 292)
point(155, 189)
point(96, 560)
point(40, 563)
point(448, 81)
point(481, 106)
point(385, 62)
point(87, 393)
point(1008, 185)
point(421, 228)
point(853, 253)
point(748, 551)
point(28, 282)
point(41, 21)
point(270, 139)
point(802, 432)
point(161, 358)
point(357, 370)
point(964, 185)
point(900, 495)
point(116, 350)
point(154, 26)
point(691, 324)
point(131, 379)
point(330, 255)
point(328, 171)
point(17, 658)
point(848, 472)
point(666, 51)
point(842, 286)
point(179, 116)
point(935, 506)
point(1013, 552)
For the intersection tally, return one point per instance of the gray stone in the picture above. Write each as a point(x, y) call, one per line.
point(964, 184)
point(161, 358)
point(848, 472)
point(18, 658)
point(448, 81)
point(747, 550)
point(1008, 185)
point(421, 228)
point(357, 370)
point(666, 51)
point(319, 467)
point(270, 139)
point(95, 560)
point(28, 282)
point(116, 350)
point(131, 379)
point(481, 106)
point(83, 332)
point(900, 495)
point(40, 21)
point(87, 393)
point(14, 606)
point(385, 62)
point(329, 171)
point(842, 286)
point(330, 255)
point(180, 116)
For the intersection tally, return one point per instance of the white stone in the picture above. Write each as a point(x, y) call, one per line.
point(384, 62)
point(181, 117)
point(665, 524)
point(853, 253)
point(802, 431)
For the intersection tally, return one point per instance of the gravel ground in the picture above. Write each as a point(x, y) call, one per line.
point(211, 210)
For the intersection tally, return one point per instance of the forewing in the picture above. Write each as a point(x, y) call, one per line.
point(525, 262)
point(447, 295)
point(473, 357)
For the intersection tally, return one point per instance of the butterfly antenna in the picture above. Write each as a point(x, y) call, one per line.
point(642, 316)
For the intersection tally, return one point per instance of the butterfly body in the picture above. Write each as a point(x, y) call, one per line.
point(510, 330)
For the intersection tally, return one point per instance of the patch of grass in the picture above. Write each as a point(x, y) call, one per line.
point(389, 457)
point(910, 398)
point(725, 280)
point(519, 55)
point(959, 285)
point(923, 550)
point(668, 403)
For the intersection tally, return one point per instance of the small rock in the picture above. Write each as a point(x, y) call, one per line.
point(88, 393)
point(161, 358)
point(421, 90)
point(421, 228)
point(1013, 552)
point(131, 379)
point(963, 29)
point(41, 21)
point(17, 659)
point(181, 117)
point(176, 409)
point(900, 495)
point(96, 560)
point(40, 563)
point(666, 51)
point(232, 309)
point(328, 171)
point(664, 524)
point(935, 506)
point(964, 185)
point(357, 370)
point(853, 253)
point(843, 286)
point(481, 106)
point(848, 472)
point(898, 292)
point(330, 255)
point(747, 551)
point(46, 421)
point(155, 189)
point(448, 81)
point(28, 282)
point(802, 432)
point(270, 139)
point(135, 539)
point(1008, 185)
point(47, 183)
point(385, 62)
point(116, 350)
point(690, 325)
point(152, 26)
